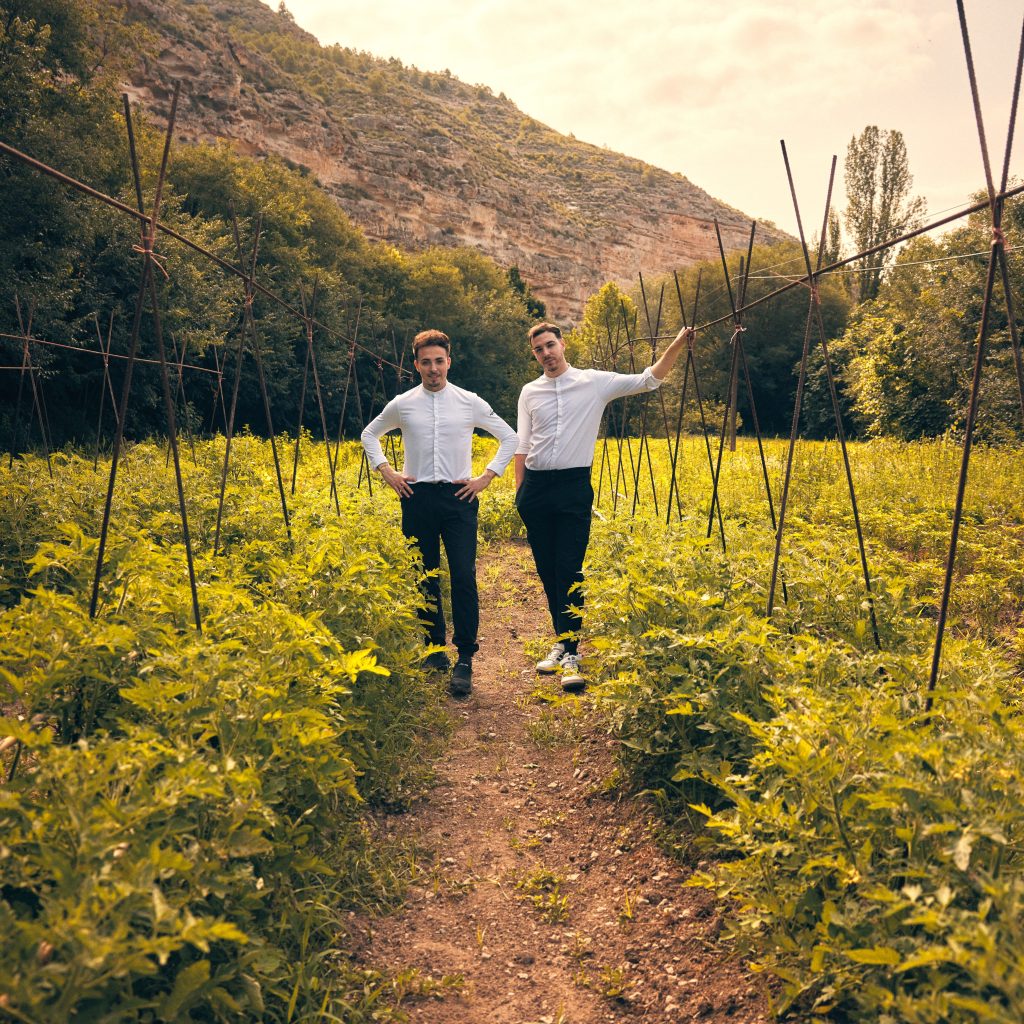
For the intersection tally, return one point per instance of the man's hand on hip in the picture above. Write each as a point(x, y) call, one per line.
point(471, 488)
point(398, 482)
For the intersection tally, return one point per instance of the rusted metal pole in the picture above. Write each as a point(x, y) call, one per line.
point(364, 462)
point(179, 392)
point(217, 390)
point(229, 430)
point(623, 408)
point(344, 399)
point(1004, 268)
point(736, 302)
point(147, 285)
point(148, 239)
point(998, 242)
point(645, 404)
point(108, 385)
point(27, 366)
point(302, 395)
point(608, 363)
point(691, 362)
point(638, 466)
point(341, 417)
point(620, 475)
point(79, 351)
point(840, 431)
point(654, 336)
point(319, 389)
point(801, 382)
point(249, 322)
point(717, 471)
point(673, 488)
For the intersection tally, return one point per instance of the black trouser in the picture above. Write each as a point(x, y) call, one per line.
point(433, 514)
point(555, 505)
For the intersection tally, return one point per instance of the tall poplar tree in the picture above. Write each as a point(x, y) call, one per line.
point(879, 206)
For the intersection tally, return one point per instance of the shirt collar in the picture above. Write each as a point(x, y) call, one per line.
point(569, 373)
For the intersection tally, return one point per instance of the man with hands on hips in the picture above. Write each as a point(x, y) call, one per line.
point(438, 491)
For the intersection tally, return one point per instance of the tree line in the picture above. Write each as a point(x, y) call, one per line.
point(69, 261)
point(902, 326)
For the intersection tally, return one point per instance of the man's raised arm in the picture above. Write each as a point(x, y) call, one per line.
point(663, 367)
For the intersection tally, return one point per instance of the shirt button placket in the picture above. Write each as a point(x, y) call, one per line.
point(558, 417)
point(434, 407)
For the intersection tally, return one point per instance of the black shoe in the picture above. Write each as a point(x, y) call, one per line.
point(461, 682)
point(437, 662)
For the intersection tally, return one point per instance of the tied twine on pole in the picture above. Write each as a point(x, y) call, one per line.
point(155, 258)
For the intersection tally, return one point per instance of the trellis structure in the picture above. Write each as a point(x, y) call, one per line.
point(623, 337)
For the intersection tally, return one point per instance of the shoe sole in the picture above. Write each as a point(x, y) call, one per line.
point(546, 671)
point(460, 693)
point(574, 685)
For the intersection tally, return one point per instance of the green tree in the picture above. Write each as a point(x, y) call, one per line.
point(470, 298)
point(910, 352)
point(534, 306)
point(833, 244)
point(774, 333)
point(60, 63)
point(601, 331)
point(879, 206)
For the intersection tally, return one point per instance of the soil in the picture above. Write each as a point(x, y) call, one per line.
point(522, 817)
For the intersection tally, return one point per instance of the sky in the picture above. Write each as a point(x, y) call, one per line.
point(710, 92)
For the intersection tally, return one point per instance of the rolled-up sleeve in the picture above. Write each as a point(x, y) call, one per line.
point(619, 385)
point(388, 419)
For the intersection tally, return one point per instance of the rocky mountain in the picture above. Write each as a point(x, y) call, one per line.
point(420, 159)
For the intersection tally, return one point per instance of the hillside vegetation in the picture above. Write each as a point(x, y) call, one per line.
point(420, 158)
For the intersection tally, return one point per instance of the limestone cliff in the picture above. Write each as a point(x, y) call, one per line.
point(422, 159)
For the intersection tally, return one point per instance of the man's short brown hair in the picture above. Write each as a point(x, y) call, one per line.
point(425, 338)
point(544, 328)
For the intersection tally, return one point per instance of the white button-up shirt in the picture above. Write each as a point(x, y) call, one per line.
point(437, 433)
point(559, 417)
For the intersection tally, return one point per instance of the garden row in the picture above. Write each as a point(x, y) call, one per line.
point(870, 849)
point(183, 828)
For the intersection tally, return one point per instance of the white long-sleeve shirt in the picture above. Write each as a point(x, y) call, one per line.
point(437, 433)
point(559, 417)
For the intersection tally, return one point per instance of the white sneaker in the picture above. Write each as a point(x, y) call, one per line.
point(572, 678)
point(549, 665)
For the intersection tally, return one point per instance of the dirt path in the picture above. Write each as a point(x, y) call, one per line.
point(546, 895)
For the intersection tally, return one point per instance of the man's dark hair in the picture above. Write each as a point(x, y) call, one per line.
point(425, 338)
point(544, 328)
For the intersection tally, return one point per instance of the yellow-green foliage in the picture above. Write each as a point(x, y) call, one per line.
point(182, 826)
point(871, 851)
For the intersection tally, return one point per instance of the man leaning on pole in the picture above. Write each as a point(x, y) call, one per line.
point(559, 418)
